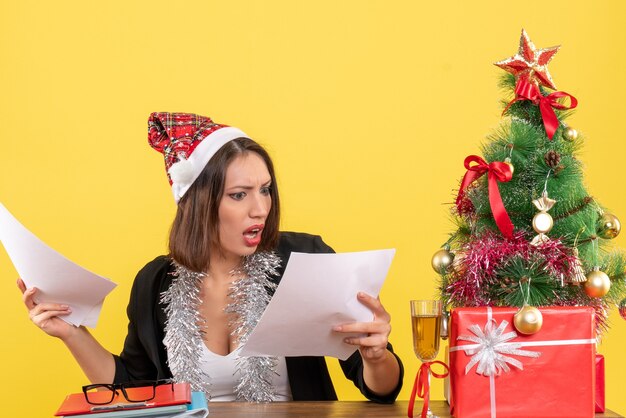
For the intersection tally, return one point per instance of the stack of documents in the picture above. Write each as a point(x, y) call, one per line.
point(57, 279)
point(316, 293)
point(179, 403)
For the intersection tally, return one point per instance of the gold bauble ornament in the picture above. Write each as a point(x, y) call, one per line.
point(528, 320)
point(570, 134)
point(442, 259)
point(542, 222)
point(508, 162)
point(608, 226)
point(597, 284)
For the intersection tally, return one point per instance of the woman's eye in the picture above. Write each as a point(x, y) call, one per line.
point(266, 190)
point(238, 196)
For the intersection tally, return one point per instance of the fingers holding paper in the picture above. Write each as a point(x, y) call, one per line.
point(373, 344)
point(46, 315)
point(381, 370)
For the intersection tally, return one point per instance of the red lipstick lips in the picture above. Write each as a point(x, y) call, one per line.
point(252, 235)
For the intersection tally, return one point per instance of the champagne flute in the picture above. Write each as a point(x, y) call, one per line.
point(426, 321)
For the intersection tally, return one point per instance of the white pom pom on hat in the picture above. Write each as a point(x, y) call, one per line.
point(181, 172)
point(187, 141)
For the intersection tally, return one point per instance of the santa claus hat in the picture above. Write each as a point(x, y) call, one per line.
point(187, 142)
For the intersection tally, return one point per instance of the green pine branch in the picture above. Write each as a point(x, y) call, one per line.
point(521, 282)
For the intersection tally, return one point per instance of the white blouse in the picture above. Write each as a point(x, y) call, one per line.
point(224, 376)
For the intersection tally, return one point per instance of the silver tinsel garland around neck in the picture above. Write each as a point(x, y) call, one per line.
point(249, 297)
point(184, 326)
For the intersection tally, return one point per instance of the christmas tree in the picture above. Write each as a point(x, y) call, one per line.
point(528, 233)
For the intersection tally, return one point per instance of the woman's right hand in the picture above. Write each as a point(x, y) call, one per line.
point(97, 363)
point(46, 315)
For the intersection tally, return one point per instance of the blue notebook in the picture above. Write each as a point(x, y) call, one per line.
point(198, 407)
point(198, 401)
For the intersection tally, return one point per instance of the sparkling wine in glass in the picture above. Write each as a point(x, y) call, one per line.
point(426, 322)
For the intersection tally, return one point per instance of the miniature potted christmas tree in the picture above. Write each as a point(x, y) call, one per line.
point(529, 237)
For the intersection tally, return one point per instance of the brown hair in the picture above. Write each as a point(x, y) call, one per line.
point(195, 229)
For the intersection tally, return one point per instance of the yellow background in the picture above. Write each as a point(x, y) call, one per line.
point(368, 108)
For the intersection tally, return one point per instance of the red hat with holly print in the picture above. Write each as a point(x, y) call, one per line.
point(187, 142)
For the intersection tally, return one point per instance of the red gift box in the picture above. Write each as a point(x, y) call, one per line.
point(548, 374)
point(599, 383)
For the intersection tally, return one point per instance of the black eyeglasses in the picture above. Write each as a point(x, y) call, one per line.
point(137, 391)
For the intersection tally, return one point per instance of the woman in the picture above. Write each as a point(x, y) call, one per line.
point(190, 311)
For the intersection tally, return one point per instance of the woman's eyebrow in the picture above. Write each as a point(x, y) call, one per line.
point(247, 187)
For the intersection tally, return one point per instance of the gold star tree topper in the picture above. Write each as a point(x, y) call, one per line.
point(530, 63)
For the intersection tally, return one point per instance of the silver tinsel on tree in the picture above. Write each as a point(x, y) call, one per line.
point(184, 328)
point(250, 295)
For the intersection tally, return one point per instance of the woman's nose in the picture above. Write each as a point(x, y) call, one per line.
point(260, 206)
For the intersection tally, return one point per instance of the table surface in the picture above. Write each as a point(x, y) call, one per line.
point(331, 409)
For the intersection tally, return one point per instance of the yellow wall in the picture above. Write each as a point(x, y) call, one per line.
point(368, 107)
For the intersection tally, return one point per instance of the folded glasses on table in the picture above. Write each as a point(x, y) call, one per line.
point(136, 391)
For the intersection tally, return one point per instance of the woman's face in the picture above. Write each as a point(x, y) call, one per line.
point(245, 204)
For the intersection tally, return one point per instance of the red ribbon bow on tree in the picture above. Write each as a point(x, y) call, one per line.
point(498, 171)
point(421, 386)
point(525, 90)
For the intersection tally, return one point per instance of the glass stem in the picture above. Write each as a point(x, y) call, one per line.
point(428, 412)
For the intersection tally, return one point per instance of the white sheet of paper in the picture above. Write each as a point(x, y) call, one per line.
point(58, 279)
point(317, 292)
point(91, 319)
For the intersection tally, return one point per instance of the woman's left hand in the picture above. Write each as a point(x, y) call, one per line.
point(373, 346)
